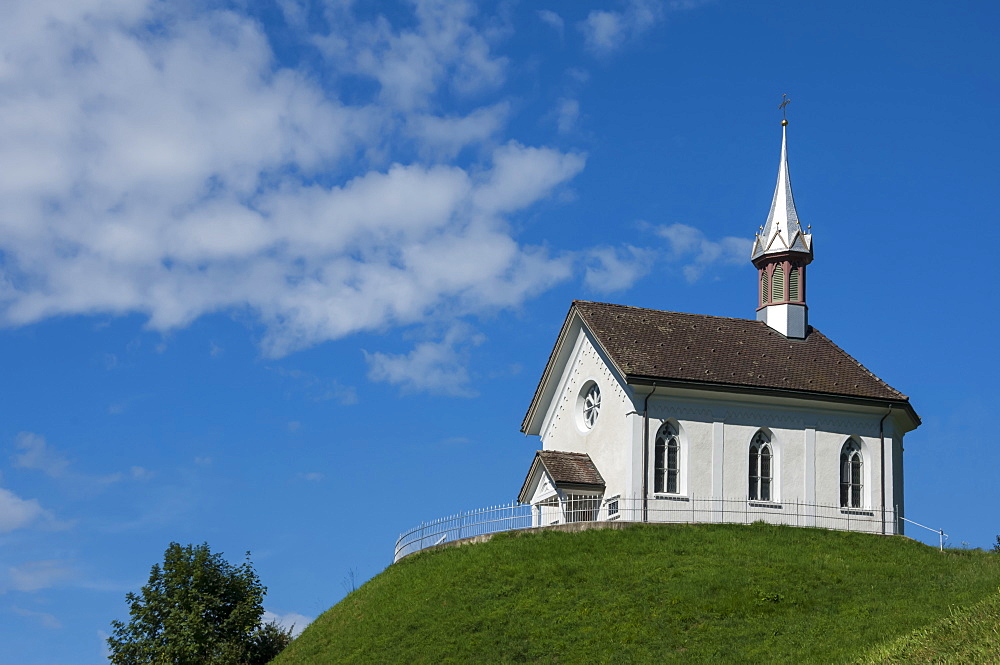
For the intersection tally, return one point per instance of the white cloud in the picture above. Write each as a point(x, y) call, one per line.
point(297, 622)
point(443, 49)
point(568, 112)
point(610, 269)
point(36, 454)
point(553, 19)
point(316, 389)
point(522, 175)
point(605, 31)
point(37, 575)
point(577, 77)
point(435, 367)
point(44, 618)
point(444, 137)
point(689, 246)
point(16, 512)
point(140, 473)
point(181, 171)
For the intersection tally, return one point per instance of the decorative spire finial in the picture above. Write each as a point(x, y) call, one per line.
point(782, 105)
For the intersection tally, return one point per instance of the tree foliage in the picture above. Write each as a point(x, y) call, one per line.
point(197, 609)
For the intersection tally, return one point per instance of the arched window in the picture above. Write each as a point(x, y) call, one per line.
point(764, 288)
point(793, 285)
point(761, 468)
point(667, 460)
point(778, 284)
point(852, 466)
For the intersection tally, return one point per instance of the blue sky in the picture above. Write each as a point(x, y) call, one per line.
point(282, 276)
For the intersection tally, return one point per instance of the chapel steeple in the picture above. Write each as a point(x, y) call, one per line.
point(781, 252)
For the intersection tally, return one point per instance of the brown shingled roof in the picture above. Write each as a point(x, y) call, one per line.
point(653, 344)
point(567, 471)
point(570, 468)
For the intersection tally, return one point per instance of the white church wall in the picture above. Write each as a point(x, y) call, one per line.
point(609, 441)
point(806, 440)
point(696, 437)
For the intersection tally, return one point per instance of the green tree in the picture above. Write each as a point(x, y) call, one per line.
point(197, 609)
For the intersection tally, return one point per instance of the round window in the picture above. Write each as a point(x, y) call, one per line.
point(591, 405)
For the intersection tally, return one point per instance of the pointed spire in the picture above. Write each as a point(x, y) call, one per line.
point(782, 231)
point(781, 252)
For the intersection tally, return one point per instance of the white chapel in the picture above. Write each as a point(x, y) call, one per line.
point(649, 415)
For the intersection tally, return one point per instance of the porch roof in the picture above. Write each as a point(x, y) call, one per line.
point(565, 469)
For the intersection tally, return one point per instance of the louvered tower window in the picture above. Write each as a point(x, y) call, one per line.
point(778, 284)
point(764, 289)
point(793, 285)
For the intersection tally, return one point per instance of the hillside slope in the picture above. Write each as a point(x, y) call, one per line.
point(678, 593)
point(968, 635)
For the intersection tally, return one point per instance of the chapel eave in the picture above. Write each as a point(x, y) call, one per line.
point(654, 382)
point(532, 415)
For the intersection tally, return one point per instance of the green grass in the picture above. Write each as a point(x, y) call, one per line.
point(967, 636)
point(679, 593)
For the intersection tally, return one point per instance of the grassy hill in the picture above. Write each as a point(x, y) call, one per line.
point(966, 635)
point(678, 593)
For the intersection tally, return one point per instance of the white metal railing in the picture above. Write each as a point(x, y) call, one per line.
point(662, 508)
point(505, 517)
point(940, 532)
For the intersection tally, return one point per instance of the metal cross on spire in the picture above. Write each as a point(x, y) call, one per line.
point(782, 105)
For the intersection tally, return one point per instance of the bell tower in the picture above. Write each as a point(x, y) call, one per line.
point(781, 252)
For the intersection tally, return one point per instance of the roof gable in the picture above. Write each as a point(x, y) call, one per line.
point(574, 339)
